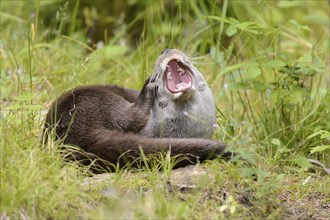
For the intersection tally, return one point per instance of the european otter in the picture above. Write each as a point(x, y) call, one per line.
point(174, 111)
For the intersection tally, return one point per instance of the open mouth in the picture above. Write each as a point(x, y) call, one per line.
point(178, 79)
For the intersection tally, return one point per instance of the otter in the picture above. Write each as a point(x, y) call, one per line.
point(174, 112)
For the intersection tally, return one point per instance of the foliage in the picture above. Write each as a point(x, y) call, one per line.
point(267, 63)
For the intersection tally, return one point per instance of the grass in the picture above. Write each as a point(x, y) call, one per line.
point(267, 63)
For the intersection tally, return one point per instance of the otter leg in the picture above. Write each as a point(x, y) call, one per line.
point(141, 109)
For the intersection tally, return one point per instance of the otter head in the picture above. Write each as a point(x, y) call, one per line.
point(175, 75)
point(183, 104)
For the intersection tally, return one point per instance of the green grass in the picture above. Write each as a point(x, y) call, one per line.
point(267, 63)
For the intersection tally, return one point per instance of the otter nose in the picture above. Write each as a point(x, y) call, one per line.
point(166, 50)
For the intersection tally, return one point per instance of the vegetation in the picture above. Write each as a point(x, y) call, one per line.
point(267, 63)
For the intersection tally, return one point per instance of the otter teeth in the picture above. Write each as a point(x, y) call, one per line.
point(181, 87)
point(180, 71)
point(169, 75)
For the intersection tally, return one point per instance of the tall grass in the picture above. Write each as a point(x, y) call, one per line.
point(267, 63)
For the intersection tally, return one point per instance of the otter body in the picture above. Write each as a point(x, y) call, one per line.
point(174, 111)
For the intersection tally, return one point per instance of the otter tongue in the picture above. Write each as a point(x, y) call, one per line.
point(177, 79)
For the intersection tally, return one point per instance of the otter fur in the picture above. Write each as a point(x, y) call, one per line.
point(174, 112)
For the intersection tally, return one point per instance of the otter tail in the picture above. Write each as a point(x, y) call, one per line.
point(119, 148)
